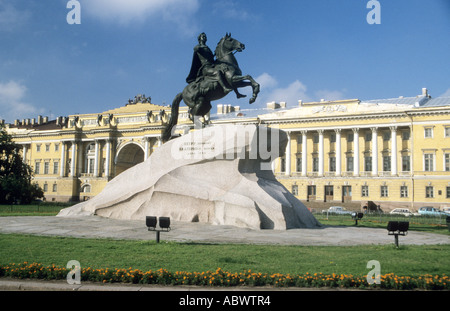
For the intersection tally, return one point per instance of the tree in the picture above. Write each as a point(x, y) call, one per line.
point(15, 176)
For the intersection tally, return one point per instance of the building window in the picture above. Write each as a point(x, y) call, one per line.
point(37, 168)
point(46, 167)
point(349, 164)
point(332, 137)
point(428, 162)
point(368, 136)
point(403, 191)
point(329, 191)
point(350, 137)
point(406, 135)
point(90, 156)
point(386, 163)
point(447, 162)
point(448, 192)
point(45, 187)
point(406, 163)
point(332, 164)
point(56, 147)
point(55, 188)
point(38, 147)
point(299, 164)
point(295, 189)
point(428, 132)
point(47, 147)
point(86, 189)
point(283, 165)
point(364, 191)
point(91, 166)
point(387, 136)
point(316, 139)
point(429, 192)
point(384, 191)
point(368, 164)
point(55, 167)
point(447, 131)
point(299, 139)
point(315, 164)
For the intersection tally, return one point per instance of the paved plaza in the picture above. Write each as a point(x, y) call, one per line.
point(99, 227)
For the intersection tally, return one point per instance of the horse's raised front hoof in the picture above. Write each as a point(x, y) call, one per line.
point(252, 100)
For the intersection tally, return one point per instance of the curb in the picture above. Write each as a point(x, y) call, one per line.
point(59, 285)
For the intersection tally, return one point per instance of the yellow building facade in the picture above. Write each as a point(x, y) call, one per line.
point(393, 152)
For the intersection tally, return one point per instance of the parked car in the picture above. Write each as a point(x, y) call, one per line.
point(337, 210)
point(446, 209)
point(403, 211)
point(431, 211)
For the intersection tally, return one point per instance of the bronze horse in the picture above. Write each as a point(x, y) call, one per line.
point(198, 95)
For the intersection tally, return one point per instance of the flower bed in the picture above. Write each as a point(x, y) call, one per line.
point(224, 278)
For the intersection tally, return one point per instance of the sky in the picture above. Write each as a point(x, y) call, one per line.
point(296, 49)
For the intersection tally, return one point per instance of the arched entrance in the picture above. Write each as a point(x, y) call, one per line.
point(127, 156)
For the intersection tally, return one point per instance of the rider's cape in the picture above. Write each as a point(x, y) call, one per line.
point(195, 67)
point(197, 63)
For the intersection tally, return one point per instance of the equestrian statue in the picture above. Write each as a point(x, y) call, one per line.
point(210, 79)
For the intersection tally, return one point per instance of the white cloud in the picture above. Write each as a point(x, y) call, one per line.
point(178, 12)
point(10, 17)
point(292, 93)
point(329, 95)
point(12, 104)
point(266, 81)
point(270, 91)
point(230, 9)
point(446, 93)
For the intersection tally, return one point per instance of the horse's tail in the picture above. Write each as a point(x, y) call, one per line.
point(167, 133)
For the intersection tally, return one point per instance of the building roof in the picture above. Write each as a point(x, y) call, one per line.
point(438, 102)
point(273, 110)
point(416, 102)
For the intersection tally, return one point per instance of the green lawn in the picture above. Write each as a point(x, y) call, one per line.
point(147, 255)
point(38, 209)
point(190, 257)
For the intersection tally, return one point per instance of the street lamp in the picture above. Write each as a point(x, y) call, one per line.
point(357, 216)
point(164, 225)
point(397, 228)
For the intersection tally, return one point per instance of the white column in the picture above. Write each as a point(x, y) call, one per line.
point(74, 159)
point(393, 150)
point(356, 152)
point(304, 153)
point(24, 153)
point(62, 171)
point(338, 152)
point(146, 148)
point(321, 155)
point(288, 155)
point(97, 143)
point(108, 158)
point(81, 154)
point(374, 151)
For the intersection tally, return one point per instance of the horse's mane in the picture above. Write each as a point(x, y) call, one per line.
point(218, 50)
